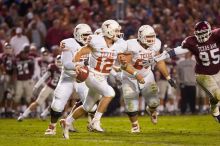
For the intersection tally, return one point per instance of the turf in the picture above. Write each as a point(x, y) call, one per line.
point(171, 130)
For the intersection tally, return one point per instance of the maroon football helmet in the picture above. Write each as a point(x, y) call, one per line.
point(202, 31)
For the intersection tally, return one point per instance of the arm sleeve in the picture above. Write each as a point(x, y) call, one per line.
point(42, 79)
point(179, 50)
point(66, 58)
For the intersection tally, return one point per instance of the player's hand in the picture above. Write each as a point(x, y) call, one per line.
point(78, 68)
point(148, 62)
point(140, 79)
point(172, 83)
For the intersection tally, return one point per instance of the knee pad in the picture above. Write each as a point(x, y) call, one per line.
point(132, 114)
point(57, 105)
point(153, 102)
point(151, 90)
point(110, 92)
point(217, 94)
point(130, 93)
point(55, 114)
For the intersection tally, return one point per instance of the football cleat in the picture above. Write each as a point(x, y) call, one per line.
point(217, 118)
point(20, 118)
point(51, 130)
point(72, 129)
point(135, 128)
point(95, 126)
point(65, 128)
point(153, 115)
point(214, 109)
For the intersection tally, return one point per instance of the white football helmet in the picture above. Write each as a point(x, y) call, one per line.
point(98, 31)
point(146, 35)
point(111, 29)
point(81, 32)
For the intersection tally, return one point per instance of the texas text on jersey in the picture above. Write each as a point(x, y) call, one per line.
point(206, 53)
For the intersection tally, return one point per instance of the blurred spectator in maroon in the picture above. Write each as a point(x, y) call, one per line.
point(54, 34)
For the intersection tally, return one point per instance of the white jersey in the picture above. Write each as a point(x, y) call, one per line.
point(139, 54)
point(71, 46)
point(102, 57)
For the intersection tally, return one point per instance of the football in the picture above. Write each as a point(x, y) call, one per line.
point(83, 75)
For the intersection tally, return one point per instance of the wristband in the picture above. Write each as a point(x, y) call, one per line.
point(171, 53)
point(135, 73)
point(168, 78)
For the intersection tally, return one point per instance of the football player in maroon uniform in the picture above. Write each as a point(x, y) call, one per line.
point(6, 78)
point(23, 70)
point(51, 77)
point(42, 62)
point(6, 63)
point(205, 46)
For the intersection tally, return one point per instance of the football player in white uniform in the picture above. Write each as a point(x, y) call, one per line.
point(104, 50)
point(140, 51)
point(67, 82)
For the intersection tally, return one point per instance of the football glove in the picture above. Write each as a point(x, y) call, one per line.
point(172, 83)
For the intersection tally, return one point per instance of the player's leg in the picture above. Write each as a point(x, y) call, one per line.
point(209, 83)
point(163, 86)
point(18, 93)
point(81, 110)
point(61, 95)
point(131, 96)
point(150, 92)
point(44, 93)
point(100, 86)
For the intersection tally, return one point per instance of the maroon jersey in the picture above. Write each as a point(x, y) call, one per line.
point(207, 54)
point(43, 66)
point(6, 61)
point(24, 68)
point(54, 75)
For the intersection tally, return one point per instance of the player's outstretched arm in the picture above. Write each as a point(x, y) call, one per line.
point(170, 54)
point(40, 82)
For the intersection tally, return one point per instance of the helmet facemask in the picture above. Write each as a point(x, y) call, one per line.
point(149, 40)
point(203, 35)
point(146, 35)
point(202, 31)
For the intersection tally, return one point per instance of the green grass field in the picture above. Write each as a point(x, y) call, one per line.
point(171, 130)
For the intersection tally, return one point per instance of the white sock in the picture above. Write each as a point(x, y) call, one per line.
point(45, 112)
point(69, 120)
point(135, 123)
point(26, 112)
point(54, 124)
point(170, 108)
point(97, 116)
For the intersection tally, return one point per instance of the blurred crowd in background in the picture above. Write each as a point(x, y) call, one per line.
point(36, 27)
